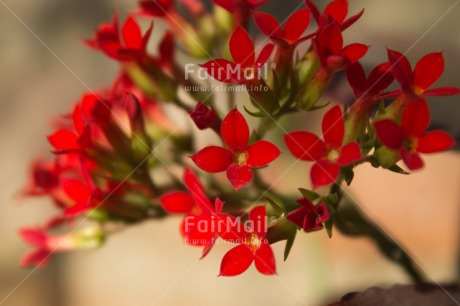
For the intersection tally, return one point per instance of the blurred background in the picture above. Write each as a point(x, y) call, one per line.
point(45, 68)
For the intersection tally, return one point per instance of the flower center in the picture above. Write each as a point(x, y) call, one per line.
point(240, 158)
point(254, 241)
point(333, 155)
point(409, 144)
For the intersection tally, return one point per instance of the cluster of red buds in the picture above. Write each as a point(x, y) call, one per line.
point(108, 171)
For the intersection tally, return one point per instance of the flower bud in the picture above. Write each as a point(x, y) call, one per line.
point(205, 117)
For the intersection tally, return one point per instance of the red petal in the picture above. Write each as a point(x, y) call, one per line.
point(231, 229)
point(199, 230)
point(297, 24)
point(401, 68)
point(235, 131)
point(357, 78)
point(330, 40)
point(213, 159)
point(33, 236)
point(435, 141)
point(239, 176)
point(76, 190)
point(146, 37)
point(264, 259)
point(412, 160)
point(389, 133)
point(428, 70)
point(236, 261)
point(132, 35)
point(337, 9)
point(415, 118)
point(324, 174)
point(64, 140)
point(258, 217)
point(261, 153)
point(220, 69)
point(354, 52)
point(333, 127)
point(314, 10)
point(166, 48)
point(350, 21)
point(268, 25)
point(38, 258)
point(157, 8)
point(242, 48)
point(305, 145)
point(380, 78)
point(176, 202)
point(264, 55)
point(196, 190)
point(349, 154)
point(442, 91)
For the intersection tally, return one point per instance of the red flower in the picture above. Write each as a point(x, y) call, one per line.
point(205, 117)
point(293, 29)
point(199, 226)
point(330, 154)
point(411, 137)
point(131, 45)
point(44, 178)
point(245, 67)
point(41, 255)
point(373, 85)
point(237, 5)
point(427, 71)
point(239, 159)
point(336, 10)
point(309, 217)
point(253, 245)
point(328, 46)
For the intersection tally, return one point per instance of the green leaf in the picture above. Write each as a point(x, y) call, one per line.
point(398, 169)
point(316, 107)
point(310, 195)
point(348, 175)
point(331, 200)
point(275, 203)
point(255, 114)
point(289, 244)
point(328, 226)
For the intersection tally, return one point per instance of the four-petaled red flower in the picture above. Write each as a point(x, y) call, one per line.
point(411, 137)
point(309, 217)
point(253, 245)
point(330, 154)
point(337, 10)
point(293, 29)
point(199, 226)
point(426, 72)
point(333, 56)
point(240, 157)
point(131, 45)
point(246, 67)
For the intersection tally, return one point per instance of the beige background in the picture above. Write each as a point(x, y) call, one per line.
point(148, 264)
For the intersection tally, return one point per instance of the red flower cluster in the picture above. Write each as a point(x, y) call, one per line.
point(110, 164)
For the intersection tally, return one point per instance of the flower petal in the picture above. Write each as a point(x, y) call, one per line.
point(305, 145)
point(349, 154)
point(297, 24)
point(231, 229)
point(337, 9)
point(401, 68)
point(264, 55)
point(324, 173)
point(357, 78)
point(412, 160)
point(435, 141)
point(380, 78)
point(354, 52)
point(76, 190)
point(239, 176)
point(428, 70)
point(268, 25)
point(442, 91)
point(415, 118)
point(333, 127)
point(264, 259)
point(176, 202)
point(132, 35)
point(261, 153)
point(64, 140)
point(235, 131)
point(258, 218)
point(236, 261)
point(213, 159)
point(242, 48)
point(389, 133)
point(330, 40)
